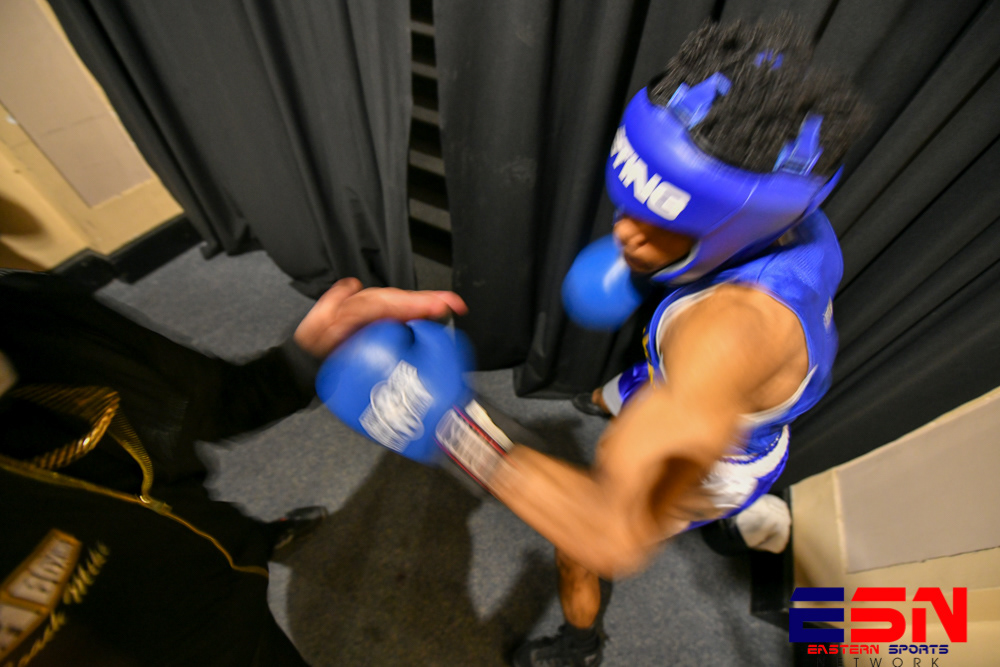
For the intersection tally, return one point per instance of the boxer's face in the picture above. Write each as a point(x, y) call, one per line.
point(646, 247)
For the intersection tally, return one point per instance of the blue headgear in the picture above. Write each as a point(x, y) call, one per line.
point(657, 174)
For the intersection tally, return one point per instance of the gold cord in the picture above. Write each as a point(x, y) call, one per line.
point(100, 407)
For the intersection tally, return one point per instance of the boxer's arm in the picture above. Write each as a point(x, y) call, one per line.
point(718, 356)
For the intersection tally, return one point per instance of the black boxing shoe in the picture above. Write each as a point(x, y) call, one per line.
point(570, 647)
point(294, 526)
point(584, 403)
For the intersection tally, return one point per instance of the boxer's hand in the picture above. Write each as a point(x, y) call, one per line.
point(394, 382)
point(345, 308)
point(600, 290)
point(401, 385)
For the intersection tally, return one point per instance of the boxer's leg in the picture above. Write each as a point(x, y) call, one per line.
point(578, 641)
point(597, 398)
point(579, 592)
point(609, 399)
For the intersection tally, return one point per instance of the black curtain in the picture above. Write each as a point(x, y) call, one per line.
point(919, 221)
point(281, 125)
point(530, 94)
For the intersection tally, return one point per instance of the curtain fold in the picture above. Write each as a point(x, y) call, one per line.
point(530, 96)
point(528, 92)
point(275, 125)
point(916, 212)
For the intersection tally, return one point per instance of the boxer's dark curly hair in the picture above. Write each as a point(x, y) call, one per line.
point(765, 105)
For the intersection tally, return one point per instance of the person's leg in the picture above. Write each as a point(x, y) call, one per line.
point(607, 400)
point(578, 641)
point(593, 403)
point(579, 592)
point(597, 398)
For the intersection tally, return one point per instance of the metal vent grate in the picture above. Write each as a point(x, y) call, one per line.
point(430, 222)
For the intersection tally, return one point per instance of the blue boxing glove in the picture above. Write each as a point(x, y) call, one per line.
point(600, 291)
point(393, 382)
point(401, 385)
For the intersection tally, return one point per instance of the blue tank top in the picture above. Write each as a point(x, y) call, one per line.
point(802, 271)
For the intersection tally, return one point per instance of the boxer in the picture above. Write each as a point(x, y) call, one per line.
point(717, 170)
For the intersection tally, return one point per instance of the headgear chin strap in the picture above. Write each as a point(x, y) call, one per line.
point(657, 174)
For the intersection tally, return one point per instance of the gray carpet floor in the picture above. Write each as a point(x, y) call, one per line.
point(410, 568)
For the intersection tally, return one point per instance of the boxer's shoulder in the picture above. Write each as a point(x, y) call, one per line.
point(733, 317)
